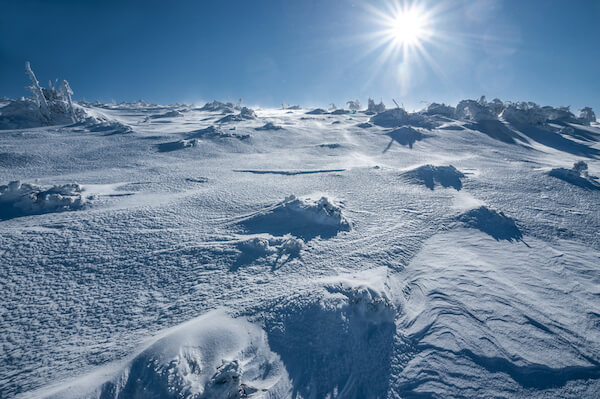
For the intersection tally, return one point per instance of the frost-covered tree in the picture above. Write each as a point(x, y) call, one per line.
point(36, 90)
point(353, 105)
point(66, 93)
point(377, 108)
point(587, 115)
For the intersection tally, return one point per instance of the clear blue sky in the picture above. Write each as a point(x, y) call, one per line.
point(310, 52)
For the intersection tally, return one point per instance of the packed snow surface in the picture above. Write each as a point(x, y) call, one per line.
point(219, 251)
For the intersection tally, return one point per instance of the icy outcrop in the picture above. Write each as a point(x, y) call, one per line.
point(303, 218)
point(578, 176)
point(429, 175)
point(587, 116)
point(375, 108)
point(20, 199)
point(491, 222)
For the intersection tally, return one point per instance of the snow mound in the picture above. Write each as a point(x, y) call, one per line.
point(101, 123)
point(276, 250)
point(440, 110)
point(340, 112)
point(217, 106)
point(317, 111)
point(365, 125)
point(268, 126)
point(406, 136)
point(168, 114)
point(212, 356)
point(212, 132)
point(578, 176)
point(491, 222)
point(178, 145)
point(338, 341)
point(20, 199)
point(303, 218)
point(245, 114)
point(397, 117)
point(446, 176)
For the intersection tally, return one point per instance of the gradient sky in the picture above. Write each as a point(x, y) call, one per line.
point(307, 52)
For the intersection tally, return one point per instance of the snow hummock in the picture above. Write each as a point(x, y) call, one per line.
point(578, 175)
point(492, 222)
point(19, 199)
point(269, 126)
point(304, 218)
point(429, 175)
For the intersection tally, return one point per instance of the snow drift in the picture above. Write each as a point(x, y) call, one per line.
point(212, 356)
point(303, 218)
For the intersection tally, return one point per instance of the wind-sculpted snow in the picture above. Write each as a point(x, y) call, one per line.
point(429, 175)
point(20, 199)
point(337, 342)
point(492, 222)
point(303, 218)
point(212, 356)
point(465, 266)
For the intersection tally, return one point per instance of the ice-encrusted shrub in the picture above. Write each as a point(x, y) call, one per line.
point(18, 199)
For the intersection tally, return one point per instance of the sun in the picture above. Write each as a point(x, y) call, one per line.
point(409, 27)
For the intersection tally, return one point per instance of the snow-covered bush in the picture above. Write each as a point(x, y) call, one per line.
point(474, 111)
point(440, 109)
point(558, 114)
point(376, 108)
point(587, 116)
point(18, 199)
point(353, 105)
point(578, 175)
point(46, 107)
point(526, 113)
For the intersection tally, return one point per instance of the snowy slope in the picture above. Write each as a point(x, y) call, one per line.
point(346, 255)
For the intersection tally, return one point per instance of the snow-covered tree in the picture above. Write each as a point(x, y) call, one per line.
point(377, 108)
point(36, 90)
point(353, 105)
point(587, 115)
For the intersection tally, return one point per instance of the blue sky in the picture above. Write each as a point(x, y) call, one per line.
point(309, 52)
